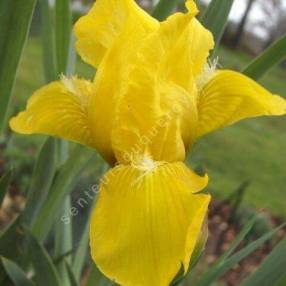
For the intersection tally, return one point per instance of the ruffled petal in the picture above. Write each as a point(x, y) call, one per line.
point(191, 6)
point(158, 105)
point(229, 97)
point(150, 120)
point(112, 77)
point(147, 222)
point(178, 50)
point(97, 31)
point(58, 109)
point(136, 90)
point(190, 49)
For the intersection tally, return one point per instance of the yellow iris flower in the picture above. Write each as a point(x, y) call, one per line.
point(153, 95)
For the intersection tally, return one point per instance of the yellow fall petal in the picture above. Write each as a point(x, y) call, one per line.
point(229, 97)
point(97, 31)
point(147, 221)
point(58, 109)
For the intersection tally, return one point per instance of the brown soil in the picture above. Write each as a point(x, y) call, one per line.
point(223, 228)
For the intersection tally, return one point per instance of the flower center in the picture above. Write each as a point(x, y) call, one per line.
point(207, 73)
point(146, 164)
point(69, 84)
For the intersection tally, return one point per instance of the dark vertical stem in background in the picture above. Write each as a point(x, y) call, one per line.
point(241, 27)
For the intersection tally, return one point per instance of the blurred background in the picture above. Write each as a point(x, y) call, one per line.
point(245, 162)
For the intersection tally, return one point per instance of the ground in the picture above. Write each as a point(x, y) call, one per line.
point(252, 151)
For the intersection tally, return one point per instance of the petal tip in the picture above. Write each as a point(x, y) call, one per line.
point(192, 7)
point(16, 125)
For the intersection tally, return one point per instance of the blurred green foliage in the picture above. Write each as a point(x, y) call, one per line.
point(57, 253)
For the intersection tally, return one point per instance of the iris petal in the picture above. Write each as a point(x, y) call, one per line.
point(112, 74)
point(229, 97)
point(161, 89)
point(191, 6)
point(147, 222)
point(58, 109)
point(97, 31)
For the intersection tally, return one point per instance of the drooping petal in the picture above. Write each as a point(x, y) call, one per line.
point(58, 109)
point(229, 97)
point(147, 222)
point(97, 31)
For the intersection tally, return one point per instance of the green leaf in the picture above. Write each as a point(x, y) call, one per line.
point(48, 42)
point(63, 244)
point(15, 19)
point(71, 57)
point(41, 181)
point(269, 58)
point(239, 238)
point(71, 275)
point(281, 282)
point(4, 185)
point(80, 255)
point(81, 252)
point(45, 270)
point(11, 235)
point(219, 269)
point(63, 185)
point(164, 8)
point(96, 278)
point(16, 274)
point(63, 33)
point(215, 18)
point(65, 52)
point(63, 233)
point(271, 270)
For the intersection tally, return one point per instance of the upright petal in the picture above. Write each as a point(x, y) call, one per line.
point(159, 100)
point(112, 75)
point(150, 119)
point(147, 222)
point(58, 109)
point(97, 31)
point(191, 6)
point(229, 97)
point(188, 50)
point(178, 50)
